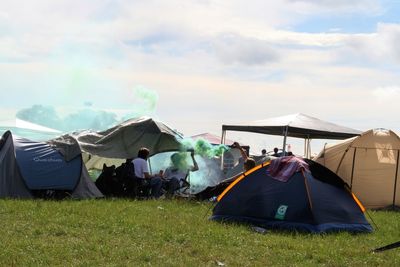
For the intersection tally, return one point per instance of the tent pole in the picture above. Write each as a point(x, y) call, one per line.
point(305, 148)
point(150, 166)
point(387, 247)
point(284, 140)
point(395, 178)
point(352, 169)
point(309, 148)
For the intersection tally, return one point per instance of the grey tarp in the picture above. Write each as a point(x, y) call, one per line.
point(297, 125)
point(67, 145)
point(124, 140)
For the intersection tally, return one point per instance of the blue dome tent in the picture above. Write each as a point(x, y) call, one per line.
point(28, 167)
point(310, 199)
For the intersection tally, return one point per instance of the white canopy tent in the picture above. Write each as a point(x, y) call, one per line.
point(295, 125)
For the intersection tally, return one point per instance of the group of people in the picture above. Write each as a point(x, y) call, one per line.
point(174, 177)
point(276, 153)
point(170, 180)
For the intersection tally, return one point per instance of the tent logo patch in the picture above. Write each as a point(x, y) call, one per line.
point(281, 212)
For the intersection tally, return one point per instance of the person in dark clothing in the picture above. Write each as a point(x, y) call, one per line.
point(263, 152)
point(276, 154)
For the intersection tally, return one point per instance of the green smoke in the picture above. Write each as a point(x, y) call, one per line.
point(148, 97)
point(179, 160)
point(39, 114)
point(85, 118)
point(204, 148)
point(144, 102)
point(79, 79)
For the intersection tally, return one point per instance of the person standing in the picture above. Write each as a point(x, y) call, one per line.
point(248, 162)
point(142, 172)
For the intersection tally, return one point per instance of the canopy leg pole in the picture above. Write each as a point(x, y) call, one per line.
point(284, 141)
point(151, 172)
point(223, 137)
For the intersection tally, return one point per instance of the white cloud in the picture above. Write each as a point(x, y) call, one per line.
point(389, 93)
point(379, 48)
point(371, 7)
point(97, 27)
point(211, 62)
point(233, 49)
point(45, 26)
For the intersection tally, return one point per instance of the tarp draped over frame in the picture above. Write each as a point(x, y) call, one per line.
point(124, 140)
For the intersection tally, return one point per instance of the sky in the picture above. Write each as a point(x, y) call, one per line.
point(199, 64)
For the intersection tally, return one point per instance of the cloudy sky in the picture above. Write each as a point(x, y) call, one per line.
point(205, 62)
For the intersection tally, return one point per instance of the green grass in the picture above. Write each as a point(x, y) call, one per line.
point(171, 233)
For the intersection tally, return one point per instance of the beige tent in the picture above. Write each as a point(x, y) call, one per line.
point(369, 164)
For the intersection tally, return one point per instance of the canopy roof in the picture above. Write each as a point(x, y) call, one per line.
point(124, 140)
point(297, 125)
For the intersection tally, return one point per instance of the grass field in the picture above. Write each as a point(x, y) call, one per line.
point(171, 233)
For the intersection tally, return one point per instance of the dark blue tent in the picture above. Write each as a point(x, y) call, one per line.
point(28, 167)
point(313, 201)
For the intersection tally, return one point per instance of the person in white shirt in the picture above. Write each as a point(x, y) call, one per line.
point(175, 176)
point(142, 172)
